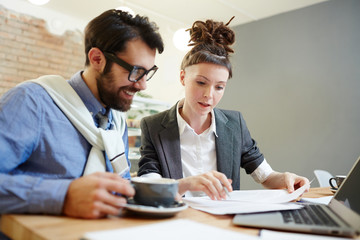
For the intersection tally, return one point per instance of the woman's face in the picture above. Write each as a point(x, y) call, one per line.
point(204, 86)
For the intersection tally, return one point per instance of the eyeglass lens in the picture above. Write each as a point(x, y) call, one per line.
point(137, 73)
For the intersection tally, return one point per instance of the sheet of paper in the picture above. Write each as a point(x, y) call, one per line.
point(266, 195)
point(274, 235)
point(321, 200)
point(234, 207)
point(247, 201)
point(172, 229)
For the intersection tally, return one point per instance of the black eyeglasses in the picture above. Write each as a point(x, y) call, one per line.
point(135, 72)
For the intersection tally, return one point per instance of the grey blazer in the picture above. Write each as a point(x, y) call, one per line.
point(160, 145)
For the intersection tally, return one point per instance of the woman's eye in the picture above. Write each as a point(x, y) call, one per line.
point(200, 83)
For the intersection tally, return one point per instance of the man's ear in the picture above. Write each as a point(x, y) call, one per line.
point(97, 59)
point(182, 77)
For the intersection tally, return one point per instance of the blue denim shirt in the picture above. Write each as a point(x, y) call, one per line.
point(41, 152)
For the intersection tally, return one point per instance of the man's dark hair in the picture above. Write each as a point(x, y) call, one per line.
point(111, 30)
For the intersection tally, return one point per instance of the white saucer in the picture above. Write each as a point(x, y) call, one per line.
point(156, 211)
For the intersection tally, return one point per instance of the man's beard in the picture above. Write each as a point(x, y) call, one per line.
point(110, 96)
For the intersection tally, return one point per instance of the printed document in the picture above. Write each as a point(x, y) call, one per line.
point(247, 201)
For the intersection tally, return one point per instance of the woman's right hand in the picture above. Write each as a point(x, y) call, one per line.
point(212, 183)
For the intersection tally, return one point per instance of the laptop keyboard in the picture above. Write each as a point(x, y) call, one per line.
point(309, 215)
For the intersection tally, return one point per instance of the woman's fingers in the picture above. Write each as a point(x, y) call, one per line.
point(211, 183)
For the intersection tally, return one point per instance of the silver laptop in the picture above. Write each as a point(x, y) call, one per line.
point(341, 217)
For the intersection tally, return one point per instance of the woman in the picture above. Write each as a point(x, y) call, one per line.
point(197, 143)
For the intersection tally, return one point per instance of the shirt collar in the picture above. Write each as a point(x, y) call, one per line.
point(183, 124)
point(90, 101)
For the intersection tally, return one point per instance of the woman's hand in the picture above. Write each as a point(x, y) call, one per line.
point(212, 183)
point(289, 181)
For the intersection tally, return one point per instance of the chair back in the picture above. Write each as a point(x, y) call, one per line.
point(323, 177)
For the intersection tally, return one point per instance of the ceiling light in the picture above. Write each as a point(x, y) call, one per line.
point(39, 2)
point(181, 39)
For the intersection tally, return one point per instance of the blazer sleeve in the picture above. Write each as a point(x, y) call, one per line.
point(251, 157)
point(149, 162)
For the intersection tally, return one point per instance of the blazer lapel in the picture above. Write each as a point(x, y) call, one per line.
point(170, 141)
point(224, 146)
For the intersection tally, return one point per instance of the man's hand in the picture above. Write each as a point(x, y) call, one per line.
point(92, 196)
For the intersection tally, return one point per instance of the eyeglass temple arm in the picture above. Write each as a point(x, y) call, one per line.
point(122, 63)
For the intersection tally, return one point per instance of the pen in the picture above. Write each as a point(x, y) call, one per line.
point(227, 192)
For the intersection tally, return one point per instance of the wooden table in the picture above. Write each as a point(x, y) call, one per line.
point(19, 226)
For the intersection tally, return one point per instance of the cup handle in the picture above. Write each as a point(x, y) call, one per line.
point(331, 183)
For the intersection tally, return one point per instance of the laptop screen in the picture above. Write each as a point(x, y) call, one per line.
point(349, 194)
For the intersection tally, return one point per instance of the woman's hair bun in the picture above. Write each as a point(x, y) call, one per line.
point(211, 32)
